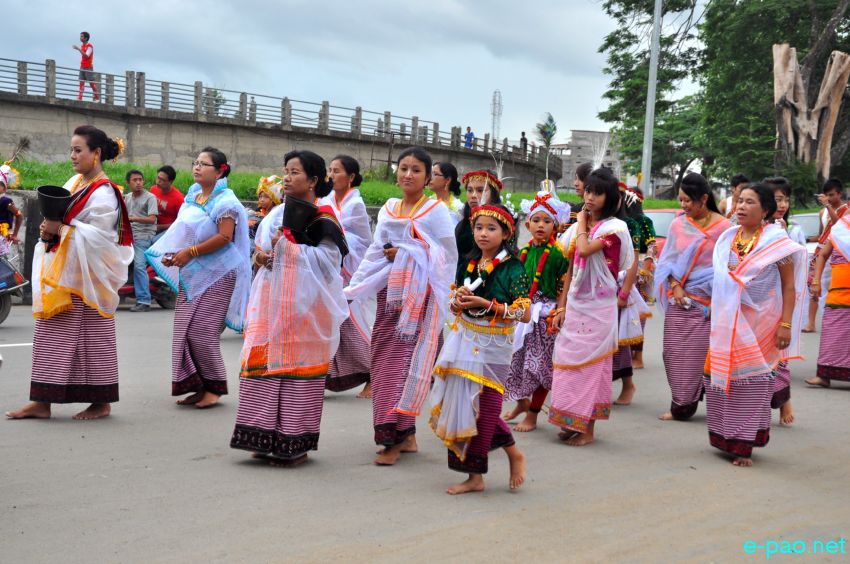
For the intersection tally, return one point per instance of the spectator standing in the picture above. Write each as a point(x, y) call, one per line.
point(142, 208)
point(523, 145)
point(468, 138)
point(168, 198)
point(86, 65)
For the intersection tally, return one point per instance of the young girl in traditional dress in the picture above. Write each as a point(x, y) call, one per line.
point(205, 257)
point(684, 275)
point(292, 327)
point(350, 366)
point(756, 317)
point(75, 288)
point(474, 364)
point(781, 399)
point(545, 264)
point(600, 247)
point(410, 267)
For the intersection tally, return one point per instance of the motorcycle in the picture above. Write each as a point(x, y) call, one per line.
point(159, 289)
point(12, 282)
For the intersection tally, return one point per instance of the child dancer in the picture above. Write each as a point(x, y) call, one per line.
point(475, 361)
point(545, 264)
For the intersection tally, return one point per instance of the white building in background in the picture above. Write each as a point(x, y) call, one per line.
point(587, 146)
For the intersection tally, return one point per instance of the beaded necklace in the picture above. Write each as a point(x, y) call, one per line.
point(741, 247)
point(483, 273)
point(540, 264)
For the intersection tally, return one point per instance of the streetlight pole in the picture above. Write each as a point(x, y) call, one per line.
point(649, 123)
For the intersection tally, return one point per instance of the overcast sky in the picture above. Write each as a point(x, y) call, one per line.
point(438, 59)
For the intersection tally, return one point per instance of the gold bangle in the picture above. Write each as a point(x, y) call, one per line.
point(675, 284)
point(785, 324)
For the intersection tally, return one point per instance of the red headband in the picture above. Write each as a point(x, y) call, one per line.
point(496, 212)
point(482, 175)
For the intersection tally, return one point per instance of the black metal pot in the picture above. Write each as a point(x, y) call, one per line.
point(297, 214)
point(53, 202)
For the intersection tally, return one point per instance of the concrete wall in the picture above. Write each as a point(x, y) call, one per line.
point(162, 137)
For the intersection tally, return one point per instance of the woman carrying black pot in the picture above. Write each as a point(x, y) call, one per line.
point(76, 274)
point(292, 324)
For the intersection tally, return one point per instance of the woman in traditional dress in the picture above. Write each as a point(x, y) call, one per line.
point(205, 257)
point(834, 355)
point(600, 247)
point(446, 187)
point(475, 361)
point(350, 366)
point(756, 317)
point(545, 264)
point(633, 310)
point(781, 399)
point(482, 187)
point(76, 274)
point(292, 326)
point(684, 275)
point(410, 267)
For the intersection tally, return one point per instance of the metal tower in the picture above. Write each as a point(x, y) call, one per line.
point(496, 113)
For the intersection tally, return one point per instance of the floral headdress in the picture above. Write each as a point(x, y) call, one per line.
point(9, 176)
point(498, 213)
point(548, 203)
point(272, 187)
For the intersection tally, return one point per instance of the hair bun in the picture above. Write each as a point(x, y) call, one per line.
point(110, 150)
point(358, 180)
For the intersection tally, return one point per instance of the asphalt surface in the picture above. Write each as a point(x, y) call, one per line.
point(158, 483)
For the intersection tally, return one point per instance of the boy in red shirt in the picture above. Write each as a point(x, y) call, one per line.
point(86, 65)
point(169, 199)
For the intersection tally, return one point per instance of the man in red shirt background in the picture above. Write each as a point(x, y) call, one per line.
point(86, 65)
point(169, 199)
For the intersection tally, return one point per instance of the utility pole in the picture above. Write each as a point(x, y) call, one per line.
point(649, 124)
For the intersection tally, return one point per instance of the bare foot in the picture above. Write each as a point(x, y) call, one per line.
point(580, 439)
point(388, 456)
point(520, 408)
point(287, 463)
point(192, 399)
point(32, 410)
point(808, 329)
point(786, 413)
point(94, 411)
point(627, 393)
point(741, 461)
point(366, 392)
point(666, 416)
point(637, 360)
point(567, 434)
point(475, 483)
point(527, 424)
point(817, 381)
point(517, 462)
point(409, 446)
point(209, 399)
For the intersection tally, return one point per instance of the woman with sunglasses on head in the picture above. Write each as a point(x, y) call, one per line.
point(205, 257)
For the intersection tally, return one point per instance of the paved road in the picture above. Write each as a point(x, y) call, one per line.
point(158, 483)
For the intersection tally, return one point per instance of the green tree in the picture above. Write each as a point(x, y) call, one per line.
point(546, 131)
point(627, 52)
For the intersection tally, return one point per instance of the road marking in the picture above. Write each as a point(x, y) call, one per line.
point(17, 345)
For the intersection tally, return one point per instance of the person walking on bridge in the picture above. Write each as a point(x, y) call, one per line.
point(86, 65)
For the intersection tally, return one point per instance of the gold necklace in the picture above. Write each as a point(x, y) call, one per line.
point(703, 222)
point(79, 183)
point(743, 247)
point(201, 201)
